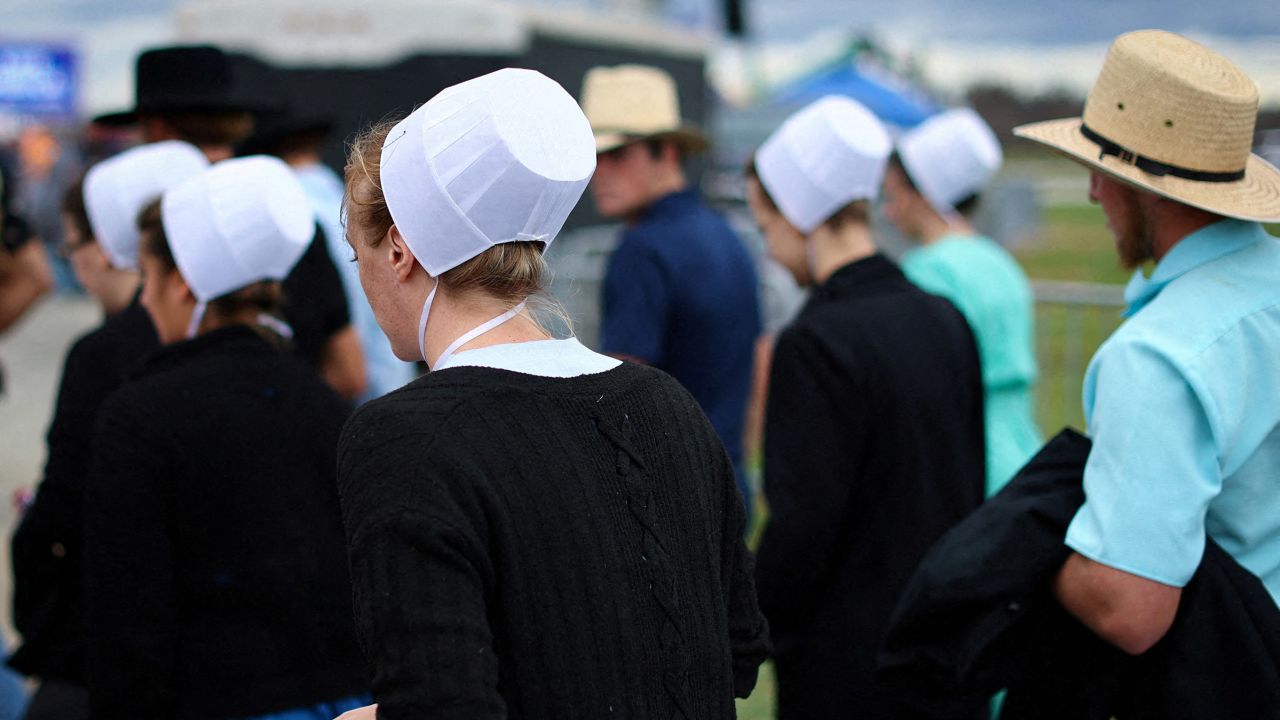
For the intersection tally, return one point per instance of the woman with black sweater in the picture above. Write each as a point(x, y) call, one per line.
point(216, 580)
point(535, 530)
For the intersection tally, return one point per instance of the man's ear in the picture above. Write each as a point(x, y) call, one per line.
point(399, 254)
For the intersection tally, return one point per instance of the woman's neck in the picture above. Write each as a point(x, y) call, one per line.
point(452, 316)
point(830, 250)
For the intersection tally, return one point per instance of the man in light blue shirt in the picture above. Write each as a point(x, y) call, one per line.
point(1183, 401)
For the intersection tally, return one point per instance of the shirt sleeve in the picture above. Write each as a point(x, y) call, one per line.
point(419, 570)
point(130, 594)
point(1153, 469)
point(807, 479)
point(637, 302)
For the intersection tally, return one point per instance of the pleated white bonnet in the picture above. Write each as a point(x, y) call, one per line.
point(825, 156)
point(239, 222)
point(503, 157)
point(118, 188)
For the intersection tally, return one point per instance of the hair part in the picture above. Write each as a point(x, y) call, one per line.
point(857, 212)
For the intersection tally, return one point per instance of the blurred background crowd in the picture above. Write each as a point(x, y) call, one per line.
point(741, 67)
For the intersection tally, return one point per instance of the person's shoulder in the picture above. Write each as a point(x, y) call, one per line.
point(421, 409)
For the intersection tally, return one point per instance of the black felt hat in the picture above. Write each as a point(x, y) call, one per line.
point(182, 79)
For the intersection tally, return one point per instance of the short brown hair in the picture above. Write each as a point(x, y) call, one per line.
point(210, 127)
point(857, 212)
point(510, 271)
point(73, 207)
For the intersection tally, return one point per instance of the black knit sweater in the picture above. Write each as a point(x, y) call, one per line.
point(533, 547)
point(216, 585)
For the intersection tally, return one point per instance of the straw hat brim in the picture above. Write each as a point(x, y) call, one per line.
point(1256, 197)
point(690, 139)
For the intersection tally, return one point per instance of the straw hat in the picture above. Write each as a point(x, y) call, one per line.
point(1174, 118)
point(626, 103)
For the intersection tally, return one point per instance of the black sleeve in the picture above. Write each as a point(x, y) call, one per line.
point(47, 545)
point(315, 305)
point(810, 432)
point(419, 573)
point(748, 631)
point(130, 566)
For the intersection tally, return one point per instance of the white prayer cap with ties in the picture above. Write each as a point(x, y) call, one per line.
point(501, 158)
point(239, 222)
point(950, 157)
point(118, 188)
point(825, 156)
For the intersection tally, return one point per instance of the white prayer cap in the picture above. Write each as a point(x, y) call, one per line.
point(118, 188)
point(950, 156)
point(824, 157)
point(500, 158)
point(239, 222)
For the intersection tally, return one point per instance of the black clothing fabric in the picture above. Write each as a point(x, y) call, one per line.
point(216, 581)
point(979, 615)
point(58, 700)
point(532, 547)
point(873, 449)
point(47, 547)
point(315, 304)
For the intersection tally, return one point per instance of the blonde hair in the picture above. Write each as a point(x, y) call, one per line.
point(511, 272)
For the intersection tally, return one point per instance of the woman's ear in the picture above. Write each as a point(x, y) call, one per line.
point(177, 290)
point(399, 254)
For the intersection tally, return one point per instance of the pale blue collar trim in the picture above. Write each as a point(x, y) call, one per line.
point(545, 358)
point(1199, 248)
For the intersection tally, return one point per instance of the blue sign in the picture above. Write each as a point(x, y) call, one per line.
point(38, 80)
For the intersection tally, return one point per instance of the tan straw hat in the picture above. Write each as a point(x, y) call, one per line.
point(1171, 117)
point(626, 103)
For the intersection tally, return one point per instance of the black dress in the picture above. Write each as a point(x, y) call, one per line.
point(873, 448)
point(48, 548)
point(216, 577)
point(532, 547)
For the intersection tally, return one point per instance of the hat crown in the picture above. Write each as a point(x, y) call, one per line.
point(829, 154)
point(1167, 98)
point(500, 158)
point(118, 188)
point(239, 222)
point(631, 99)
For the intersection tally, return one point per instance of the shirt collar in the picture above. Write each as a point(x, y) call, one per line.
point(1199, 248)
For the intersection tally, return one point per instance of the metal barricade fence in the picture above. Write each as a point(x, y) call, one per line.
point(1072, 320)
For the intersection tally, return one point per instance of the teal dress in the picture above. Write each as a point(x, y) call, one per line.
point(986, 284)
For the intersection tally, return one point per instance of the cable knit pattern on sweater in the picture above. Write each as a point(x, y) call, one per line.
point(533, 547)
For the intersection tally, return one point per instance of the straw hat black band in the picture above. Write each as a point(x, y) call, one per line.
point(1155, 167)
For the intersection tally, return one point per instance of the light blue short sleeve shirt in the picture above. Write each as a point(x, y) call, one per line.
point(1183, 406)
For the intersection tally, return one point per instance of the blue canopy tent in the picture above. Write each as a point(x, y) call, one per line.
point(902, 106)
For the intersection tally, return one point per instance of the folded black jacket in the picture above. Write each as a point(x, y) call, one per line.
point(979, 616)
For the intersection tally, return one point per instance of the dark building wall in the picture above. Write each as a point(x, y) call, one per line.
point(352, 98)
